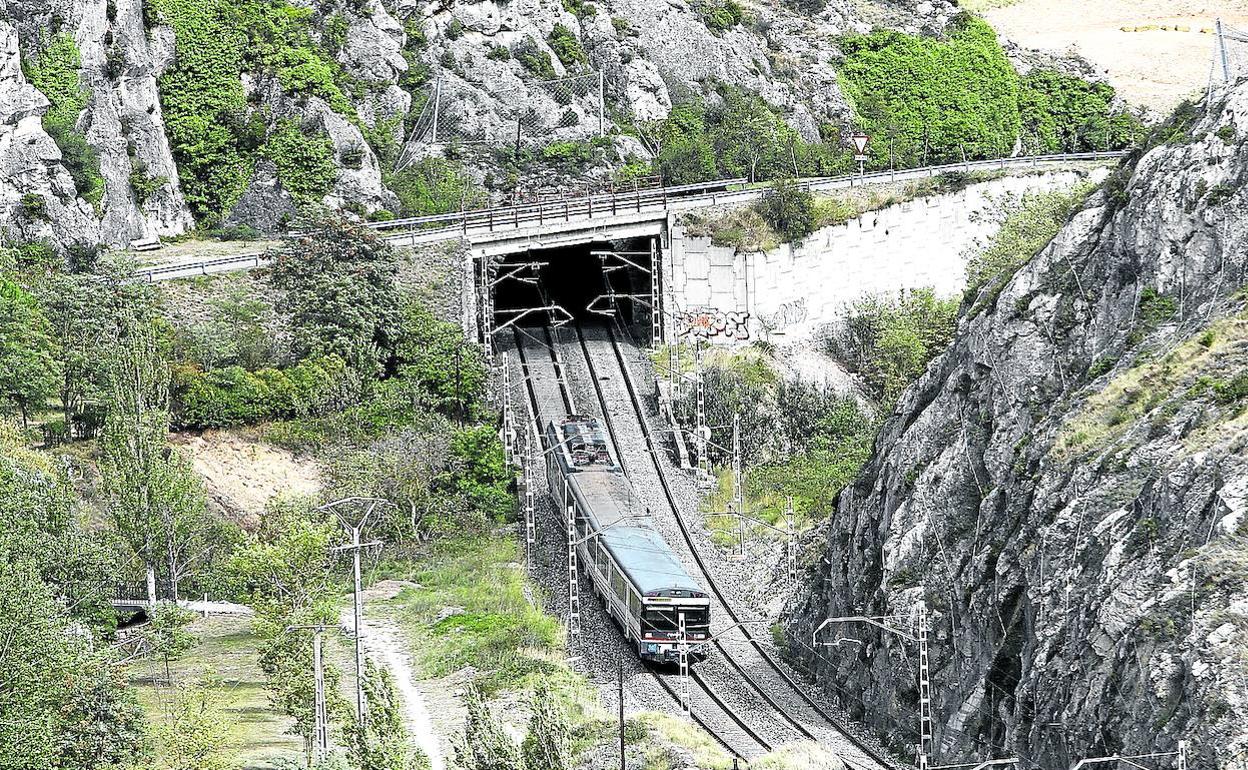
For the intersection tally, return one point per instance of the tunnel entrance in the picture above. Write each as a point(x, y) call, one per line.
point(591, 282)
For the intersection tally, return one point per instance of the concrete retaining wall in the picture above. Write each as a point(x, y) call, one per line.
point(791, 292)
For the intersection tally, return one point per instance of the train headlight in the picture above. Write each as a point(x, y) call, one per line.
point(653, 649)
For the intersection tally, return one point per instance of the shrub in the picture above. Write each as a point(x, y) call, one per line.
point(1064, 113)
point(34, 205)
point(566, 46)
point(305, 162)
point(928, 100)
point(890, 341)
point(789, 209)
point(533, 58)
point(55, 73)
point(435, 354)
point(499, 53)
point(234, 396)
point(434, 186)
point(719, 16)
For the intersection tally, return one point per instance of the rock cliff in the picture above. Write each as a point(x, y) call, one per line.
point(1066, 488)
point(362, 74)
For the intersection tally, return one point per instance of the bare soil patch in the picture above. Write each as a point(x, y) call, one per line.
point(1155, 68)
point(241, 473)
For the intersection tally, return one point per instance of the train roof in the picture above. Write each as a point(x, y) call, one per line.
point(649, 562)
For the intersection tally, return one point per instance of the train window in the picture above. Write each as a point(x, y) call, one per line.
point(665, 618)
point(617, 584)
point(634, 604)
point(600, 557)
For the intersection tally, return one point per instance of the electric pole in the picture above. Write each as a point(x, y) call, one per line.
point(703, 430)
point(355, 547)
point(320, 731)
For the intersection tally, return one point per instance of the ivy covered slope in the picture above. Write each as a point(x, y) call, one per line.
point(1066, 487)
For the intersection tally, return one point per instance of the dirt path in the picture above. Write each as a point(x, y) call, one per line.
point(1152, 67)
point(383, 643)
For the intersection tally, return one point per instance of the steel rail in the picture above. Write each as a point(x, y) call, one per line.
point(714, 698)
point(835, 722)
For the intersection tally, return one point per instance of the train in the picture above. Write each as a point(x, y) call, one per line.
point(635, 573)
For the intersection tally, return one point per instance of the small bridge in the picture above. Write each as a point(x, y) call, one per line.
point(199, 607)
point(492, 232)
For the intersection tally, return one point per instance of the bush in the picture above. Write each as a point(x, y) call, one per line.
point(435, 354)
point(719, 16)
point(566, 46)
point(434, 186)
point(304, 161)
point(34, 205)
point(499, 53)
point(55, 73)
point(890, 341)
point(925, 100)
point(1064, 113)
point(533, 58)
point(789, 209)
point(234, 396)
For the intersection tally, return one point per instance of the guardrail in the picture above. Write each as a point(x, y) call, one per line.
point(659, 201)
point(203, 267)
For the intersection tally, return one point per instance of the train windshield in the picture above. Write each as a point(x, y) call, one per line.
point(665, 619)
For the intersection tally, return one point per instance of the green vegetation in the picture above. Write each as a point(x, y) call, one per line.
point(890, 341)
point(235, 396)
point(533, 58)
point(1027, 224)
point(434, 186)
point(565, 45)
point(740, 135)
point(789, 210)
point(719, 16)
point(29, 370)
point(928, 101)
point(305, 162)
point(214, 134)
point(1064, 113)
point(54, 71)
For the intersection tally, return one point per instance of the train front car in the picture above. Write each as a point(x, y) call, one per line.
point(640, 580)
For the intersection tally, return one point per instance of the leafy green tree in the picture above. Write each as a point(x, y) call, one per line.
point(478, 473)
point(304, 161)
point(338, 280)
point(29, 371)
point(155, 498)
point(40, 524)
point(435, 354)
point(198, 736)
point(283, 572)
point(64, 706)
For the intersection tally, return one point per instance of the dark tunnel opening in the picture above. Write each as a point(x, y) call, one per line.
point(585, 280)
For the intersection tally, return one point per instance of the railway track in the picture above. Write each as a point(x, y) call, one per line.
point(545, 378)
point(749, 659)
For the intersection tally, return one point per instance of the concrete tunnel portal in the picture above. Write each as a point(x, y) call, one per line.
point(590, 283)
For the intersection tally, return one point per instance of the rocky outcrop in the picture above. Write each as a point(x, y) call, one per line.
point(37, 196)
point(1067, 490)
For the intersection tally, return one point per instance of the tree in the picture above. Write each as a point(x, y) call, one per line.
point(340, 290)
point(28, 367)
point(283, 573)
point(64, 705)
point(434, 353)
point(155, 498)
point(198, 735)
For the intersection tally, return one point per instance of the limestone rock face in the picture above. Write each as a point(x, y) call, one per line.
point(1065, 488)
point(37, 195)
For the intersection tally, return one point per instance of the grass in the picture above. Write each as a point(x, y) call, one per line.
point(1180, 375)
point(705, 752)
point(227, 656)
point(470, 609)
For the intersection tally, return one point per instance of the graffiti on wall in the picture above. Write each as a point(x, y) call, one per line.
point(714, 323)
point(788, 314)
